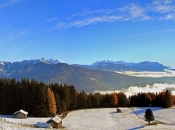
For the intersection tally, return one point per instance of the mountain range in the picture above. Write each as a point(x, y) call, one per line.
point(100, 75)
point(107, 65)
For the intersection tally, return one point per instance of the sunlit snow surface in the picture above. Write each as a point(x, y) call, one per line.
point(104, 119)
point(108, 119)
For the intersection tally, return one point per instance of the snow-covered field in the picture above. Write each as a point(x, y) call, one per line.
point(105, 119)
point(102, 119)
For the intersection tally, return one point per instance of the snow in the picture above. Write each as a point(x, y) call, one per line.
point(1, 62)
point(50, 61)
point(56, 119)
point(104, 119)
point(15, 123)
point(93, 79)
point(22, 111)
point(160, 114)
point(73, 71)
point(103, 61)
point(9, 74)
point(29, 120)
point(107, 118)
point(51, 72)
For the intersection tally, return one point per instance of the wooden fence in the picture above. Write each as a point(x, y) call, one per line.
point(17, 124)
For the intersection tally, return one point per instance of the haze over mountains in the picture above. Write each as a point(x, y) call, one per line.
point(100, 75)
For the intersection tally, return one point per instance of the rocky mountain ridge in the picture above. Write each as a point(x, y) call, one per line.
point(100, 76)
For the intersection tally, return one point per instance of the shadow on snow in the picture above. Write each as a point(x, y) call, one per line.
point(136, 128)
point(142, 110)
point(112, 112)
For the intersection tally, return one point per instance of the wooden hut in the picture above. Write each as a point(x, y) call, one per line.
point(56, 122)
point(118, 110)
point(20, 114)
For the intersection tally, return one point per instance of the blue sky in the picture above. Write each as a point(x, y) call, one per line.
point(83, 31)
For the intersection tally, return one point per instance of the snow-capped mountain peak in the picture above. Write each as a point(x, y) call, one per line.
point(100, 62)
point(1, 62)
point(50, 61)
point(30, 62)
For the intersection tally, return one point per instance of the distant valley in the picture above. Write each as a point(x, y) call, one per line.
point(98, 76)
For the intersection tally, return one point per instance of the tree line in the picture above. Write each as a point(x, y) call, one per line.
point(162, 99)
point(40, 99)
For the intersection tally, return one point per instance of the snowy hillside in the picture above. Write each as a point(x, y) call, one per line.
point(107, 118)
point(104, 119)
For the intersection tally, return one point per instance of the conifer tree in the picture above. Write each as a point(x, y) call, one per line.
point(168, 99)
point(106, 100)
point(82, 100)
point(51, 102)
point(114, 99)
point(33, 94)
point(73, 98)
point(162, 99)
point(89, 100)
point(66, 96)
point(8, 97)
point(63, 106)
point(41, 101)
point(149, 115)
point(56, 89)
point(25, 84)
point(123, 101)
point(3, 95)
point(15, 95)
point(97, 99)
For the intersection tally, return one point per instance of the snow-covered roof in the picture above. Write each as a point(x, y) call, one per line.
point(22, 111)
point(43, 125)
point(56, 119)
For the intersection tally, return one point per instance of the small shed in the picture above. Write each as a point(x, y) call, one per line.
point(118, 110)
point(56, 122)
point(20, 114)
point(43, 125)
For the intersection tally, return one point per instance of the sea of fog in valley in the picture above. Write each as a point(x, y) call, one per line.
point(149, 74)
point(156, 87)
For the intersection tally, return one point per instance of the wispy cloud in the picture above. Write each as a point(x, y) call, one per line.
point(87, 21)
point(16, 35)
point(86, 13)
point(163, 7)
point(10, 2)
point(51, 19)
point(134, 11)
point(13, 36)
point(157, 10)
